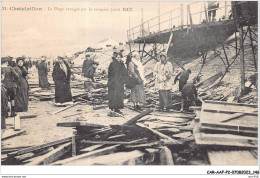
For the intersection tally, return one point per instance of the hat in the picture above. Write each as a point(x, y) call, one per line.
point(95, 62)
point(163, 55)
point(60, 57)
point(20, 58)
point(5, 59)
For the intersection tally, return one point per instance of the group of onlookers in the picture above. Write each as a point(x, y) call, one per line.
point(14, 87)
point(122, 73)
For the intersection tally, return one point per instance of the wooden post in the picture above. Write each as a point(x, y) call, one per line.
point(236, 41)
point(159, 15)
point(143, 52)
point(139, 49)
point(225, 9)
point(188, 8)
point(142, 22)
point(225, 55)
point(155, 51)
point(252, 46)
point(181, 15)
point(206, 12)
point(73, 141)
point(169, 43)
point(17, 125)
point(242, 62)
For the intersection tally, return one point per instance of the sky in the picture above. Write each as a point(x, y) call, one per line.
point(63, 27)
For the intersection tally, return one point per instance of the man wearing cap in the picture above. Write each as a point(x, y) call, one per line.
point(9, 81)
point(162, 73)
point(43, 73)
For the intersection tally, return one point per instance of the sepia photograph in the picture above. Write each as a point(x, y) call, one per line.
point(114, 83)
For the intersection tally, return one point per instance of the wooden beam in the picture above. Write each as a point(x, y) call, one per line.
point(169, 140)
point(169, 43)
point(63, 109)
point(95, 153)
point(139, 116)
point(181, 15)
point(10, 133)
point(39, 147)
point(233, 116)
point(206, 12)
point(242, 61)
point(52, 156)
point(143, 51)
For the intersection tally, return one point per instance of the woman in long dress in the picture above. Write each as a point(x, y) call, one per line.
point(136, 69)
point(22, 94)
point(116, 79)
point(61, 77)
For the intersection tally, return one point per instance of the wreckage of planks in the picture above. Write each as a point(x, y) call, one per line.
point(141, 140)
point(218, 133)
point(228, 132)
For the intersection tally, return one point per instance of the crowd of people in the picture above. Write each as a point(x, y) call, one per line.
point(123, 72)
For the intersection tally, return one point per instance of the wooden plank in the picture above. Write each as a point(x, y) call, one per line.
point(209, 81)
point(233, 116)
point(29, 156)
point(182, 135)
point(107, 142)
point(77, 124)
point(146, 145)
point(10, 133)
point(168, 44)
point(165, 156)
point(52, 156)
point(91, 148)
point(168, 139)
point(63, 109)
point(39, 147)
point(28, 116)
point(232, 158)
point(95, 153)
point(139, 116)
point(227, 130)
point(135, 157)
point(223, 139)
point(12, 149)
point(231, 104)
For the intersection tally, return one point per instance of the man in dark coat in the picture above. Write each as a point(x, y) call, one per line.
point(61, 76)
point(43, 73)
point(189, 95)
point(86, 65)
point(9, 81)
point(4, 103)
point(183, 77)
point(116, 79)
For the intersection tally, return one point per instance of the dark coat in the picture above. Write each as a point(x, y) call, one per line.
point(4, 106)
point(117, 74)
point(183, 77)
point(22, 93)
point(43, 72)
point(62, 83)
point(11, 77)
point(86, 65)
